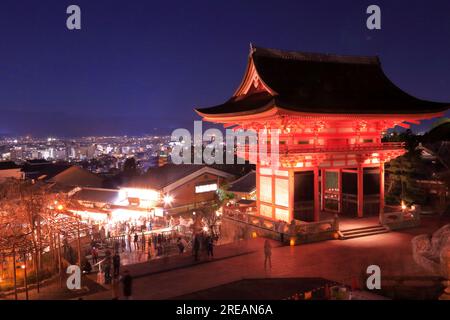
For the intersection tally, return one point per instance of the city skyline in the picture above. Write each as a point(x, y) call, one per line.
point(133, 62)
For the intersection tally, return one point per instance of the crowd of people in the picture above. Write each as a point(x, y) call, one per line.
point(153, 237)
point(203, 242)
point(142, 224)
point(110, 271)
point(154, 244)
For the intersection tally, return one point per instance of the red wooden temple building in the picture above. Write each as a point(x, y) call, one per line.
point(331, 112)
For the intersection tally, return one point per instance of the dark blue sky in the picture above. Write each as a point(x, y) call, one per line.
point(137, 65)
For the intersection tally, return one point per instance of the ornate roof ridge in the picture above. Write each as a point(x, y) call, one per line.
point(312, 56)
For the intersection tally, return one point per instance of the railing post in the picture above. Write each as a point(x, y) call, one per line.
point(336, 222)
point(360, 188)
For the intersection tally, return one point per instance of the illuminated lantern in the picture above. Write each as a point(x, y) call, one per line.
point(403, 205)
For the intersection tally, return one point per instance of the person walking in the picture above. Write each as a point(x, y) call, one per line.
point(267, 254)
point(149, 250)
point(196, 247)
point(127, 285)
point(184, 243)
point(281, 227)
point(116, 264)
point(94, 254)
point(129, 241)
point(123, 244)
point(116, 245)
point(136, 241)
point(180, 245)
point(107, 267)
point(155, 241)
point(143, 242)
point(159, 249)
point(210, 246)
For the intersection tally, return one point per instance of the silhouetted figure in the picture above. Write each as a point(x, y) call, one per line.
point(129, 241)
point(210, 246)
point(116, 264)
point(94, 254)
point(136, 241)
point(143, 242)
point(87, 267)
point(180, 245)
point(127, 285)
point(267, 254)
point(107, 267)
point(196, 247)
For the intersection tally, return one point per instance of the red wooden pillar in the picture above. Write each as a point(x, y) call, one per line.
point(291, 195)
point(258, 208)
point(322, 188)
point(273, 195)
point(360, 177)
point(340, 190)
point(381, 188)
point(316, 194)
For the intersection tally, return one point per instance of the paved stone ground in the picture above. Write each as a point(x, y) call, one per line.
point(186, 260)
point(336, 260)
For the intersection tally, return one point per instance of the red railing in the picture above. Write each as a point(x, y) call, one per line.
point(368, 147)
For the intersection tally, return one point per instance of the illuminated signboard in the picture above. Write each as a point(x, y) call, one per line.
point(206, 188)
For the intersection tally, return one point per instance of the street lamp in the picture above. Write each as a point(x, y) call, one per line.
point(168, 199)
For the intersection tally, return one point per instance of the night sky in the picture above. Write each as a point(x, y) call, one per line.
point(142, 66)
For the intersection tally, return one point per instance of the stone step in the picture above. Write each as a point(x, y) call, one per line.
point(353, 231)
point(359, 235)
point(363, 228)
point(362, 232)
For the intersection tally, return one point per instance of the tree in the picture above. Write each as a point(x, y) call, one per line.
point(30, 218)
point(130, 167)
point(21, 207)
point(402, 175)
point(410, 139)
point(209, 213)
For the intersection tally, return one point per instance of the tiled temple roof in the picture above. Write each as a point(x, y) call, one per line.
point(321, 83)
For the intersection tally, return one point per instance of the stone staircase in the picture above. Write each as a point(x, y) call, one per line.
point(362, 232)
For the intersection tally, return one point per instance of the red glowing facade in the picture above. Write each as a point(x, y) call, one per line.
point(330, 112)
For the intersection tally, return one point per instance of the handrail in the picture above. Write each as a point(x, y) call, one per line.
point(394, 214)
point(300, 227)
point(334, 148)
point(259, 221)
